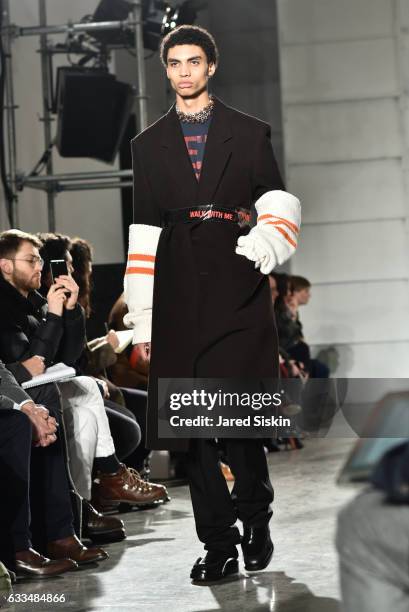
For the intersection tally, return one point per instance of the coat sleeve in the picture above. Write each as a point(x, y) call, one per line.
point(266, 175)
point(274, 239)
point(46, 339)
point(73, 339)
point(144, 236)
point(16, 346)
point(10, 390)
point(145, 208)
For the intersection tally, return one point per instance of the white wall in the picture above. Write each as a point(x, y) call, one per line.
point(344, 96)
point(94, 215)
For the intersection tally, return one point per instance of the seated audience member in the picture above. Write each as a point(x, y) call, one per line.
point(37, 332)
point(43, 494)
point(124, 429)
point(101, 360)
point(288, 329)
point(301, 294)
point(130, 370)
point(373, 540)
point(122, 421)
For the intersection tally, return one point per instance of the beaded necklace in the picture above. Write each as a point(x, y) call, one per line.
point(199, 117)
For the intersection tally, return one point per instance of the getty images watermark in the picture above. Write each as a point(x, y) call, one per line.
point(209, 408)
point(224, 399)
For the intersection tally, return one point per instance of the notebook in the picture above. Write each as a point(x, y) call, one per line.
point(124, 336)
point(55, 373)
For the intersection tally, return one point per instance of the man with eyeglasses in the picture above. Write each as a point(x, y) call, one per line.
point(34, 334)
point(20, 266)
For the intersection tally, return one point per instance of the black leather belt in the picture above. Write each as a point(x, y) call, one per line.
point(209, 212)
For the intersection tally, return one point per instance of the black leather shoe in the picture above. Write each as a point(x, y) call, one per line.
point(257, 548)
point(100, 528)
point(214, 566)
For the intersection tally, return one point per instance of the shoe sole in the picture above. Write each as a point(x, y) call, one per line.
point(230, 567)
point(262, 565)
point(109, 505)
point(28, 576)
point(97, 560)
point(106, 537)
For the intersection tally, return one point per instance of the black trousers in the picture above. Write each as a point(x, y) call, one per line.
point(136, 402)
point(15, 449)
point(215, 509)
point(50, 502)
point(36, 485)
point(125, 430)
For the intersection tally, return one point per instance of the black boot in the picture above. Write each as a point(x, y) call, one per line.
point(100, 528)
point(257, 548)
point(214, 566)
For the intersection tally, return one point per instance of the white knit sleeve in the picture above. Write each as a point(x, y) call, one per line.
point(138, 281)
point(274, 239)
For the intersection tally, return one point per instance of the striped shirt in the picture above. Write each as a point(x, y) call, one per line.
point(195, 135)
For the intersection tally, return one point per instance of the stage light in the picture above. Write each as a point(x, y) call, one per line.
point(93, 111)
point(158, 19)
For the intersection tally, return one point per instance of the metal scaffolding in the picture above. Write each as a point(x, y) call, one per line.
point(51, 183)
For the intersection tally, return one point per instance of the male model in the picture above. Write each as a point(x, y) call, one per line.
point(197, 172)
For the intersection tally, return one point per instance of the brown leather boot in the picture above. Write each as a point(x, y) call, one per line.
point(31, 564)
point(73, 548)
point(125, 487)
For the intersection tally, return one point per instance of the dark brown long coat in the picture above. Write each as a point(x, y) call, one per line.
point(212, 311)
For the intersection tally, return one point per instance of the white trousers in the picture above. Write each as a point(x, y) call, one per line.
point(87, 428)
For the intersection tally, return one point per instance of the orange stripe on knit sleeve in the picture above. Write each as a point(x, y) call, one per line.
point(288, 223)
point(141, 257)
point(140, 271)
point(283, 232)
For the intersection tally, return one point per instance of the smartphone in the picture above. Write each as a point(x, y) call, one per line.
point(58, 268)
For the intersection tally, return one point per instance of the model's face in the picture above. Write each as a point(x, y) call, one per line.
point(188, 70)
point(23, 271)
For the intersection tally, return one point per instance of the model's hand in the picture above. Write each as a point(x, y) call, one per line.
point(56, 299)
point(145, 350)
point(71, 288)
point(35, 365)
point(44, 426)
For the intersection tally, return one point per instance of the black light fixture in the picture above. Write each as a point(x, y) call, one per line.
point(158, 19)
point(93, 110)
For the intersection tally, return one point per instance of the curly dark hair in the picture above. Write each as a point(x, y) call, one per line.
point(190, 35)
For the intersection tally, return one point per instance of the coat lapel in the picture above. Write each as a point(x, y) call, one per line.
point(217, 154)
point(177, 157)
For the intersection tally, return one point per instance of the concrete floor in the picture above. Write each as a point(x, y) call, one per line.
point(149, 572)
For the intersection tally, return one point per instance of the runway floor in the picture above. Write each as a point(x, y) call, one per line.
point(149, 572)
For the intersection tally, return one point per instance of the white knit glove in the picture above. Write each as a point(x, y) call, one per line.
point(274, 239)
point(138, 281)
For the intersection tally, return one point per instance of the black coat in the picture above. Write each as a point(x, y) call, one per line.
point(212, 311)
point(27, 329)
